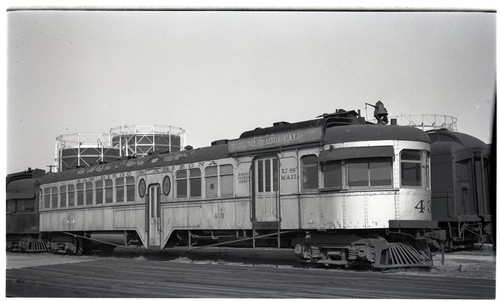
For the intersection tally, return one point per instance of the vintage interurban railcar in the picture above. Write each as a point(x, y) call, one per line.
point(337, 189)
point(22, 219)
point(461, 187)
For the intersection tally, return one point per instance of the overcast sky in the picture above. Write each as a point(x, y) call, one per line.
point(217, 74)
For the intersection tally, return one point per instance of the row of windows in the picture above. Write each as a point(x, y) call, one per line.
point(64, 196)
point(218, 180)
point(218, 183)
point(367, 172)
point(20, 206)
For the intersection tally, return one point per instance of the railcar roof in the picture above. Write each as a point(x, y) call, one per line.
point(283, 128)
point(152, 161)
point(370, 132)
point(444, 135)
point(22, 189)
point(27, 174)
point(339, 118)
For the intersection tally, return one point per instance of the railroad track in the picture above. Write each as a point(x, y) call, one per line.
point(139, 277)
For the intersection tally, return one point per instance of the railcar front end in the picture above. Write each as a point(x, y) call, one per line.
point(374, 199)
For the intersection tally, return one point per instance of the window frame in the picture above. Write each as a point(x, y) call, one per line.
point(343, 174)
point(63, 194)
point(80, 194)
point(89, 191)
point(186, 182)
point(99, 192)
point(307, 168)
point(119, 194)
point(71, 195)
point(194, 183)
point(129, 189)
point(220, 177)
point(422, 165)
point(267, 175)
point(11, 206)
point(181, 180)
point(369, 171)
point(54, 197)
point(109, 191)
point(212, 177)
point(340, 175)
point(22, 209)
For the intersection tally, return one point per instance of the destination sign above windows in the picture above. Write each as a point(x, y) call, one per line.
point(276, 140)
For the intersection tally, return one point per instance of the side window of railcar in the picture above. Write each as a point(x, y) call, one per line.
point(54, 196)
point(46, 198)
point(26, 206)
point(99, 192)
point(211, 182)
point(181, 183)
point(357, 174)
point(89, 193)
point(62, 196)
point(332, 174)
point(411, 168)
point(212, 176)
point(309, 172)
point(195, 182)
point(108, 190)
point(71, 195)
point(11, 206)
point(20, 206)
point(125, 189)
point(188, 181)
point(120, 190)
point(130, 188)
point(79, 194)
point(372, 173)
point(226, 180)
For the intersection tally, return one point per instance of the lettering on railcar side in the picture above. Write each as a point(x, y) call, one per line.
point(243, 177)
point(289, 174)
point(423, 208)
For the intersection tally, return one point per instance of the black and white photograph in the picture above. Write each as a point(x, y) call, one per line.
point(297, 151)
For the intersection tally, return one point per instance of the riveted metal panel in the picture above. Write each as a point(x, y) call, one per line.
point(354, 211)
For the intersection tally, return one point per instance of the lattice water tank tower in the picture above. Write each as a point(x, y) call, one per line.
point(427, 122)
point(140, 140)
point(81, 150)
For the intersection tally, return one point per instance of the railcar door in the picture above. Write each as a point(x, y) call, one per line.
point(266, 198)
point(466, 192)
point(153, 216)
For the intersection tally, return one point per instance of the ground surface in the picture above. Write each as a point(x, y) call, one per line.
point(240, 273)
